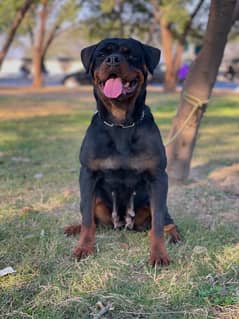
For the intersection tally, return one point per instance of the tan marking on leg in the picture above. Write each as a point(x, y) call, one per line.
point(142, 219)
point(86, 243)
point(102, 213)
point(158, 252)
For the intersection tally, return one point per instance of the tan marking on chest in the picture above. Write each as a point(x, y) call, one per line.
point(139, 163)
point(105, 163)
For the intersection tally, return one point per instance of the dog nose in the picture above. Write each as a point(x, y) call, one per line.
point(113, 60)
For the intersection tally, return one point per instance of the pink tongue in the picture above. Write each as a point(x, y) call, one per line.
point(113, 88)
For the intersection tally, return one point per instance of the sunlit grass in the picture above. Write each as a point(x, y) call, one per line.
point(40, 196)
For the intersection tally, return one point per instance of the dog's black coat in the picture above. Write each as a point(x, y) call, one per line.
point(124, 159)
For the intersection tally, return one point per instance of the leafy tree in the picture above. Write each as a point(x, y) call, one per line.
point(46, 21)
point(176, 23)
point(118, 18)
point(175, 19)
point(11, 16)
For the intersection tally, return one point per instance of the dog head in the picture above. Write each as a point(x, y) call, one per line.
point(119, 69)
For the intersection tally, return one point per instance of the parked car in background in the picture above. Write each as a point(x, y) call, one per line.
point(159, 74)
point(75, 79)
point(232, 72)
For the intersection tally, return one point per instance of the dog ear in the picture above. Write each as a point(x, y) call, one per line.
point(152, 57)
point(87, 55)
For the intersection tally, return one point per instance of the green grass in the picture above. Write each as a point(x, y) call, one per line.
point(39, 196)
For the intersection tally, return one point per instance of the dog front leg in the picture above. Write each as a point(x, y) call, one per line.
point(158, 204)
point(86, 243)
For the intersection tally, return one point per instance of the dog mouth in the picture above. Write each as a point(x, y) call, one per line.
point(115, 87)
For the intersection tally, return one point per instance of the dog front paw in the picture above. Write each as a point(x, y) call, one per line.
point(158, 252)
point(82, 251)
point(158, 259)
point(85, 246)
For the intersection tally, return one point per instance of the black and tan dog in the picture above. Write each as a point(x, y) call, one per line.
point(123, 182)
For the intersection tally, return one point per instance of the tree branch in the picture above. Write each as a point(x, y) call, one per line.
point(188, 25)
point(49, 40)
point(42, 28)
point(73, 27)
point(16, 23)
point(31, 34)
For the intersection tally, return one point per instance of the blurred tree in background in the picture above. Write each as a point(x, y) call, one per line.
point(117, 18)
point(170, 23)
point(47, 20)
point(177, 21)
point(12, 14)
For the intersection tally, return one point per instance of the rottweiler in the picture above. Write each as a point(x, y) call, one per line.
point(123, 182)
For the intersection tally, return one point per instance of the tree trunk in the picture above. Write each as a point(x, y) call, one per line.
point(199, 83)
point(172, 49)
point(16, 23)
point(167, 44)
point(48, 42)
point(38, 48)
point(177, 59)
point(37, 72)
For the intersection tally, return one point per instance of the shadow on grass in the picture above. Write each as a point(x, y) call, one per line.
point(204, 170)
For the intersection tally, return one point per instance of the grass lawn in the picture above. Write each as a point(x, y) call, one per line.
point(40, 137)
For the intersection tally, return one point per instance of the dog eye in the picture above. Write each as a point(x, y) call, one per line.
point(109, 48)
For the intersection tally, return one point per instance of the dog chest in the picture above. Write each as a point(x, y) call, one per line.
point(129, 149)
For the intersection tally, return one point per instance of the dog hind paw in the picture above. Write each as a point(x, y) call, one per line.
point(175, 236)
point(72, 230)
point(173, 233)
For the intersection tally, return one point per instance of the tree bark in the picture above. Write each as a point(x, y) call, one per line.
point(199, 83)
point(167, 44)
point(16, 23)
point(48, 42)
point(38, 47)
